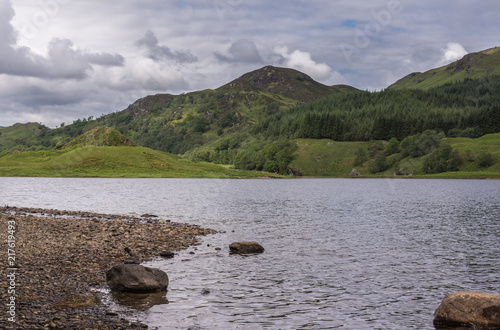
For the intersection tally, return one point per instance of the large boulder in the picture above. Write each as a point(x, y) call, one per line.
point(473, 309)
point(245, 247)
point(136, 279)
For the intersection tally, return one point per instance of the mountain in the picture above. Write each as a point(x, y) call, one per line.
point(473, 65)
point(288, 83)
point(179, 123)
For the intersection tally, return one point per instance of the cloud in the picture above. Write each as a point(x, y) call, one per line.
point(453, 51)
point(62, 60)
point(160, 53)
point(301, 61)
point(243, 50)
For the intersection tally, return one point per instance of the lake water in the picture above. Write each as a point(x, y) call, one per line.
point(340, 253)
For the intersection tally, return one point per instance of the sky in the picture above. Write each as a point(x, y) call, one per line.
point(62, 60)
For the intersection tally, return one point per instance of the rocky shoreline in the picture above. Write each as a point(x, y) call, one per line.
point(61, 258)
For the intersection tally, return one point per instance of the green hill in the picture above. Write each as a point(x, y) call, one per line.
point(120, 161)
point(100, 136)
point(472, 66)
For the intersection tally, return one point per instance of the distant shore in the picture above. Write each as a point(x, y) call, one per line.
point(54, 259)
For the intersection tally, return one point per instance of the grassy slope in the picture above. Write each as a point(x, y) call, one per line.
point(326, 158)
point(13, 135)
point(474, 65)
point(122, 161)
point(469, 170)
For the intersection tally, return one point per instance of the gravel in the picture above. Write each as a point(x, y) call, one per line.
point(61, 258)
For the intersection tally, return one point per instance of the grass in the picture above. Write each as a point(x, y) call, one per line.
point(113, 162)
point(78, 302)
point(325, 157)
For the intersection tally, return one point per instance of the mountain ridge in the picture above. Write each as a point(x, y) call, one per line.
point(472, 65)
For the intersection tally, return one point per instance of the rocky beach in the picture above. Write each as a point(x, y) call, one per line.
point(54, 264)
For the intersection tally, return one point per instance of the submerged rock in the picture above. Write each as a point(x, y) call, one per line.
point(147, 215)
point(136, 279)
point(473, 309)
point(167, 254)
point(246, 247)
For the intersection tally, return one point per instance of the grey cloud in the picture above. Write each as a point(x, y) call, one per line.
point(160, 53)
point(241, 51)
point(62, 62)
point(105, 59)
point(40, 97)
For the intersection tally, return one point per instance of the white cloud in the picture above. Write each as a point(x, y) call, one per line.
point(453, 51)
point(301, 61)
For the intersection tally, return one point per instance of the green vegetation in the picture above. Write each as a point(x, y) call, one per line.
point(112, 162)
point(117, 158)
point(424, 155)
point(470, 108)
point(471, 66)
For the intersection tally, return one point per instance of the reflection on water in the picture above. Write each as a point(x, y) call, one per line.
point(357, 254)
point(140, 301)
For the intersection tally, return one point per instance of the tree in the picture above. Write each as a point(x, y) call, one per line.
point(392, 147)
point(442, 159)
point(485, 159)
point(361, 157)
point(379, 164)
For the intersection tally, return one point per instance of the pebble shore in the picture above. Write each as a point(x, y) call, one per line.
point(61, 257)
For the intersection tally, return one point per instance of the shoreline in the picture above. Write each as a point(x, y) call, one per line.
point(54, 263)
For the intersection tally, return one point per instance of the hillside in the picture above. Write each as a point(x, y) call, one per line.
point(111, 161)
point(21, 135)
point(328, 158)
point(178, 123)
point(472, 66)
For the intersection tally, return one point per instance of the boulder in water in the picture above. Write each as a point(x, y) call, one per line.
point(245, 247)
point(135, 278)
point(473, 309)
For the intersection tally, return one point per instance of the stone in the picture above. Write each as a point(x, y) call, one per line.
point(147, 215)
point(354, 172)
point(167, 254)
point(474, 309)
point(245, 247)
point(134, 278)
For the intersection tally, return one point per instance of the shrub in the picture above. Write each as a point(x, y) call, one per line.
point(442, 159)
point(379, 164)
point(485, 159)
